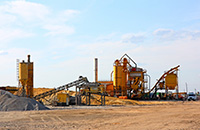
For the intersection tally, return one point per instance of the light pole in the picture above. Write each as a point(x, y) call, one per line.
point(186, 87)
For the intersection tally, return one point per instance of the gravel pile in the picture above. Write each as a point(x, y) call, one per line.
point(10, 102)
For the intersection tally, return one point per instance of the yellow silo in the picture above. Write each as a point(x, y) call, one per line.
point(171, 81)
point(26, 76)
point(23, 73)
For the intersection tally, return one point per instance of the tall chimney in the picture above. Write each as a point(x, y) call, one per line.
point(96, 69)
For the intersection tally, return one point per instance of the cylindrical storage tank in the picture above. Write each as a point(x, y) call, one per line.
point(117, 75)
point(171, 81)
point(23, 73)
point(123, 83)
point(124, 77)
point(29, 87)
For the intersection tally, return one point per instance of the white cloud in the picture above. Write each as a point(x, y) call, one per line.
point(17, 18)
point(9, 34)
point(3, 52)
point(163, 32)
point(172, 35)
point(22, 18)
point(58, 30)
point(27, 10)
point(6, 19)
point(109, 37)
point(66, 15)
point(133, 38)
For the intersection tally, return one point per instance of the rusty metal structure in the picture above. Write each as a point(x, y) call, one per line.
point(86, 90)
point(168, 81)
point(78, 82)
point(25, 76)
point(128, 79)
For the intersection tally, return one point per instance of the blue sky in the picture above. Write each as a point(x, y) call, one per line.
point(64, 37)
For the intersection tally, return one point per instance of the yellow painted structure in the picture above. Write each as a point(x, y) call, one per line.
point(119, 78)
point(63, 98)
point(29, 87)
point(137, 78)
point(131, 81)
point(26, 76)
point(23, 73)
point(126, 78)
point(107, 86)
point(171, 81)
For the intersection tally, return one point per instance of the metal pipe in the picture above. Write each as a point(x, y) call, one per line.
point(96, 69)
point(149, 81)
point(186, 88)
point(129, 59)
point(111, 76)
point(28, 58)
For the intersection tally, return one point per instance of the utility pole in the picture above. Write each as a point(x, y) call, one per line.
point(186, 87)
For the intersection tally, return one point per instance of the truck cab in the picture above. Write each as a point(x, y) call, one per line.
point(192, 96)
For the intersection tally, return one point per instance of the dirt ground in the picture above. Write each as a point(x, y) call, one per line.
point(175, 115)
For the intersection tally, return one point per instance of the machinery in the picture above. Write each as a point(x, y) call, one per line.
point(25, 75)
point(168, 81)
point(128, 79)
point(78, 82)
point(63, 99)
point(88, 89)
point(85, 88)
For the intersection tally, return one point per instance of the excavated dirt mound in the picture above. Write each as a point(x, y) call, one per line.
point(10, 102)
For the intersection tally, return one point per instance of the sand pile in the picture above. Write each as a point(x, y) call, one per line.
point(96, 99)
point(49, 100)
point(10, 102)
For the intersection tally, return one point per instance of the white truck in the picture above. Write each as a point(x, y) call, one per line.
point(191, 96)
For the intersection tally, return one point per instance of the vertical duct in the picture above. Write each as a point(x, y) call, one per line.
point(29, 87)
point(96, 69)
point(28, 58)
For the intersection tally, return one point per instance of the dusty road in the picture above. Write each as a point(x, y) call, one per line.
point(155, 117)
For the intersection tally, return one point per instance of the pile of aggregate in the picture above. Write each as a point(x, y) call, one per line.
point(10, 102)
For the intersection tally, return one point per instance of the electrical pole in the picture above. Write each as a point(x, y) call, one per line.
point(186, 87)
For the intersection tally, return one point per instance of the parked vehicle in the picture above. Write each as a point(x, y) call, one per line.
point(192, 96)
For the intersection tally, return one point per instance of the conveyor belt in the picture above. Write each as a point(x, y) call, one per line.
point(163, 76)
point(81, 80)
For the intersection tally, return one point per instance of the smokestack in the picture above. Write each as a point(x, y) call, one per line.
point(96, 69)
point(29, 58)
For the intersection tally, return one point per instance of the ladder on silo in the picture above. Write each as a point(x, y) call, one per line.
point(17, 72)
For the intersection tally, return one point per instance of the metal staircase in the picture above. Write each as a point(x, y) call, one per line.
point(81, 80)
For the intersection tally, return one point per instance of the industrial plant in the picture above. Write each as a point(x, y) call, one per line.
point(128, 94)
point(127, 81)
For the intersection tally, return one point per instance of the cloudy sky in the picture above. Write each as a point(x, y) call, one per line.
point(63, 38)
